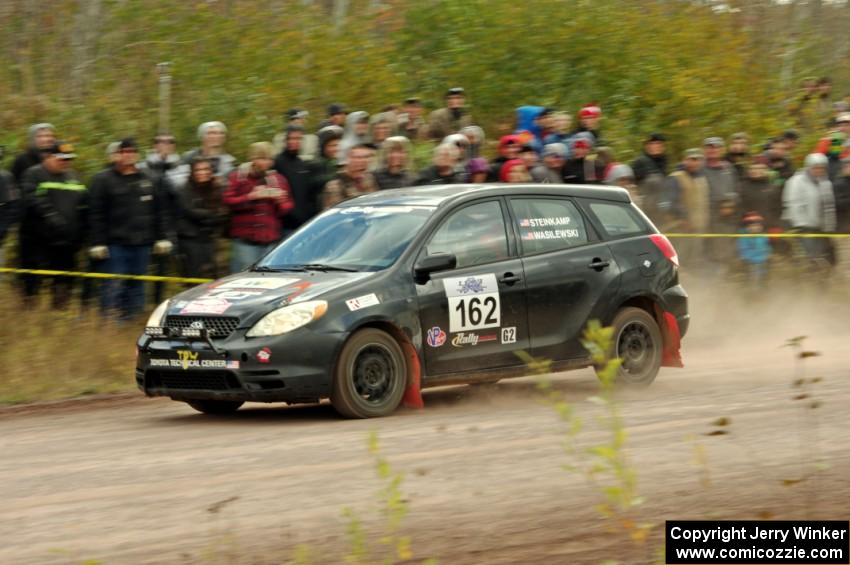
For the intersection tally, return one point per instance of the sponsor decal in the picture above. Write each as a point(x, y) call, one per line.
point(188, 360)
point(233, 295)
point(264, 283)
point(206, 305)
point(468, 338)
point(551, 234)
point(544, 222)
point(197, 325)
point(362, 302)
point(474, 302)
point(509, 335)
point(180, 304)
point(264, 355)
point(647, 263)
point(436, 337)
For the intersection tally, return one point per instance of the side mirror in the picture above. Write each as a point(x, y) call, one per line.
point(432, 264)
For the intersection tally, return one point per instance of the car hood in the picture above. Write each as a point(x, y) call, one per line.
point(251, 292)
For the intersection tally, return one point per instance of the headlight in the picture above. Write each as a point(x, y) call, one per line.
point(157, 315)
point(288, 318)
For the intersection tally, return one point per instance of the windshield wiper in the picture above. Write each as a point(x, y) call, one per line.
point(323, 267)
point(267, 269)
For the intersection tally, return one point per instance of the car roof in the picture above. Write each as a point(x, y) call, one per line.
point(444, 194)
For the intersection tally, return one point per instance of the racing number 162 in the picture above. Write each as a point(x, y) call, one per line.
point(472, 311)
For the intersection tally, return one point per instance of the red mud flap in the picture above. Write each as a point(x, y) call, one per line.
point(671, 356)
point(413, 395)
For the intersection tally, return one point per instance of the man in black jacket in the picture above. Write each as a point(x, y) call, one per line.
point(128, 222)
point(53, 224)
point(8, 207)
point(297, 173)
point(39, 137)
point(651, 169)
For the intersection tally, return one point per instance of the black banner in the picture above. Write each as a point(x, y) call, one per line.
point(757, 542)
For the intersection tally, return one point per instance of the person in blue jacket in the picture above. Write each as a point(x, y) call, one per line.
point(754, 251)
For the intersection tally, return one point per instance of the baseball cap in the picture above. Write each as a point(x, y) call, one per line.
point(336, 109)
point(61, 150)
point(297, 114)
point(412, 100)
point(128, 143)
point(655, 136)
point(456, 91)
point(694, 153)
point(713, 142)
point(842, 118)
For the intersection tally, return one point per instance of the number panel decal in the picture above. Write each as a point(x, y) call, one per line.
point(474, 302)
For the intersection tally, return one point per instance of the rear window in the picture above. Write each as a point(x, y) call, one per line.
point(618, 219)
point(548, 224)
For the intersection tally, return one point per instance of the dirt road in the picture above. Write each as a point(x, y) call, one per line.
point(150, 481)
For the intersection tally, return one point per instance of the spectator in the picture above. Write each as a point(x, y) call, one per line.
point(460, 141)
point(158, 165)
point(296, 117)
point(336, 116)
point(475, 136)
point(326, 166)
point(689, 205)
point(298, 175)
point(528, 120)
point(809, 205)
point(605, 160)
point(382, 127)
point(581, 167)
point(410, 122)
point(791, 138)
point(778, 160)
point(739, 154)
point(9, 203)
point(723, 187)
point(395, 166)
point(444, 169)
point(623, 176)
point(258, 198)
point(356, 133)
point(354, 179)
point(452, 118)
point(128, 222)
point(477, 170)
point(551, 171)
point(40, 137)
point(754, 251)
point(650, 170)
point(842, 198)
point(833, 144)
point(213, 136)
point(561, 122)
point(528, 155)
point(508, 149)
point(589, 117)
point(514, 172)
point(202, 217)
point(760, 195)
point(53, 226)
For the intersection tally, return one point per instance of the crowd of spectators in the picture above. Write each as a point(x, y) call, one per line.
point(165, 212)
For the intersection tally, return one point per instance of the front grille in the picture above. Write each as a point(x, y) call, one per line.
point(218, 327)
point(192, 380)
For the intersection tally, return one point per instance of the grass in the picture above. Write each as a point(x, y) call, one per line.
point(50, 355)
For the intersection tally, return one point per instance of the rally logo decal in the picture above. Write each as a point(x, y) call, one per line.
point(474, 302)
point(467, 338)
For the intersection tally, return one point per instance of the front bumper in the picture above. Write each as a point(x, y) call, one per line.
point(292, 368)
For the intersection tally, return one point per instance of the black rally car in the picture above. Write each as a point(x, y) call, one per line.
point(445, 284)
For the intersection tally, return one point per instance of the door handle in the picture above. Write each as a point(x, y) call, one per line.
point(598, 264)
point(510, 279)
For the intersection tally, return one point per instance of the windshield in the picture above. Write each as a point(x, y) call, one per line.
point(359, 238)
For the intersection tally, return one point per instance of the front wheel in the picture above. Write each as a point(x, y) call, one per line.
point(370, 376)
point(637, 341)
point(217, 407)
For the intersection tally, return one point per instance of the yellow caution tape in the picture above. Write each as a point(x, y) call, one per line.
point(150, 278)
point(769, 235)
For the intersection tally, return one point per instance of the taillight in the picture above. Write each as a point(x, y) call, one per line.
point(662, 243)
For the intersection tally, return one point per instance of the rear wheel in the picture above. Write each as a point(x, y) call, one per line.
point(370, 376)
point(637, 341)
point(215, 406)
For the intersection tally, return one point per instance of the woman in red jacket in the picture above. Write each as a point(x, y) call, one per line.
point(258, 198)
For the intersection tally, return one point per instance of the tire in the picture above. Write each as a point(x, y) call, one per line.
point(215, 407)
point(370, 376)
point(637, 341)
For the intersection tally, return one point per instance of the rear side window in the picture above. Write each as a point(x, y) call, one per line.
point(548, 224)
point(618, 219)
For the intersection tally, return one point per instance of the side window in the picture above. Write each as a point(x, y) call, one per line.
point(617, 219)
point(475, 234)
point(548, 224)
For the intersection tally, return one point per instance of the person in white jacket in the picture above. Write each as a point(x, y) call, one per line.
point(809, 205)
